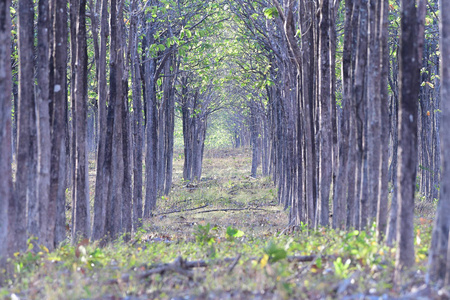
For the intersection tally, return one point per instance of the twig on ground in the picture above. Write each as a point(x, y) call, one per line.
point(178, 266)
point(180, 210)
point(230, 269)
point(305, 258)
point(235, 209)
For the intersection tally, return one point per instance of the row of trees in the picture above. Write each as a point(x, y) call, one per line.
point(325, 110)
point(351, 113)
point(121, 68)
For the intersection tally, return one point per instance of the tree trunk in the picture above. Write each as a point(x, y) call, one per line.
point(374, 110)
point(43, 123)
point(137, 125)
point(18, 208)
point(151, 139)
point(6, 184)
point(340, 196)
point(127, 154)
point(254, 137)
point(439, 260)
point(56, 220)
point(114, 219)
point(81, 205)
point(382, 200)
point(101, 187)
point(407, 160)
point(358, 115)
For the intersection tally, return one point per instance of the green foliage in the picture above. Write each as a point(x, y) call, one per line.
point(233, 233)
point(275, 252)
point(341, 269)
point(203, 234)
point(271, 12)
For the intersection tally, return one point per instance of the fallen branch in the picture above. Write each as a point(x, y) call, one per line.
point(181, 266)
point(178, 266)
point(230, 269)
point(235, 209)
point(180, 210)
point(303, 258)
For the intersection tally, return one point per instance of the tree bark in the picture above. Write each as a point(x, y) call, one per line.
point(382, 200)
point(56, 220)
point(374, 110)
point(18, 207)
point(43, 123)
point(359, 95)
point(6, 184)
point(81, 226)
point(340, 196)
point(151, 135)
point(407, 160)
point(439, 260)
point(137, 125)
point(325, 163)
point(101, 185)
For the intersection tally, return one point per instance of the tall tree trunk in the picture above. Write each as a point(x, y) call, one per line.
point(56, 220)
point(151, 139)
point(352, 167)
point(43, 123)
point(439, 260)
point(340, 195)
point(374, 109)
point(127, 154)
point(116, 96)
point(18, 208)
point(6, 184)
point(137, 125)
point(101, 185)
point(81, 226)
point(407, 160)
point(359, 105)
point(382, 206)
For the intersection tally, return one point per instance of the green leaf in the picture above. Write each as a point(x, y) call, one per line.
point(233, 233)
point(271, 12)
point(274, 252)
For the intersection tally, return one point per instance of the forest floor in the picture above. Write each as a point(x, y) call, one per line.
point(223, 238)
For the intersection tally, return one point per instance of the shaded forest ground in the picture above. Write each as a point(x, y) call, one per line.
point(226, 238)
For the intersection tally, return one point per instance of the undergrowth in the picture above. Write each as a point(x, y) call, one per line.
point(187, 252)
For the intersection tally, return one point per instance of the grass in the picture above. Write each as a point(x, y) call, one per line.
point(345, 263)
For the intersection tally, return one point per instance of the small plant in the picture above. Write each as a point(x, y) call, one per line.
point(203, 234)
point(232, 233)
point(274, 252)
point(340, 268)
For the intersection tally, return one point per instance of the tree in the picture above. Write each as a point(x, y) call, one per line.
point(81, 204)
point(325, 162)
point(46, 236)
point(407, 161)
point(24, 186)
point(439, 263)
point(56, 223)
point(6, 184)
point(102, 179)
